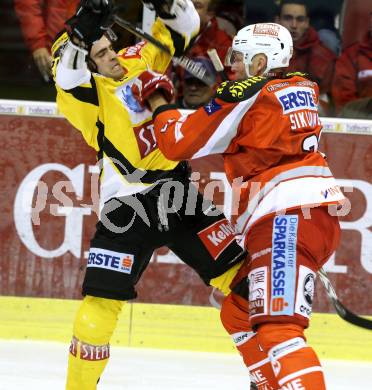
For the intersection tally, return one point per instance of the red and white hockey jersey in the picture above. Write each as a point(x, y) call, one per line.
point(267, 131)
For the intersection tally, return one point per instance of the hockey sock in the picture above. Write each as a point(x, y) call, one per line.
point(223, 281)
point(235, 319)
point(294, 363)
point(94, 324)
point(259, 365)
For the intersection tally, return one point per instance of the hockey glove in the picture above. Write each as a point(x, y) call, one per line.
point(149, 82)
point(163, 8)
point(92, 19)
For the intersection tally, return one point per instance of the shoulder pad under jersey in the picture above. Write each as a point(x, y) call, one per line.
point(237, 91)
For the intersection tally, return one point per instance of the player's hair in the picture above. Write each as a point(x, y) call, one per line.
point(92, 66)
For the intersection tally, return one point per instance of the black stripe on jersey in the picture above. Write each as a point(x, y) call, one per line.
point(100, 137)
point(86, 95)
point(132, 174)
point(237, 91)
point(178, 42)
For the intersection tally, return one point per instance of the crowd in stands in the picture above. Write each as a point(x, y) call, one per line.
point(344, 74)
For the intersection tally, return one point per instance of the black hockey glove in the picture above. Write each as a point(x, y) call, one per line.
point(162, 8)
point(90, 22)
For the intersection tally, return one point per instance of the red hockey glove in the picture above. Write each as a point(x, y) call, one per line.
point(149, 82)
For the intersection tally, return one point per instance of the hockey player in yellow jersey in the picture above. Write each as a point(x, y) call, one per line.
point(141, 208)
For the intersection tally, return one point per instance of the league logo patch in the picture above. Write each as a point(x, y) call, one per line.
point(309, 286)
point(212, 107)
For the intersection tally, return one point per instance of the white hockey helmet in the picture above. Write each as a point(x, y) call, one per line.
point(271, 39)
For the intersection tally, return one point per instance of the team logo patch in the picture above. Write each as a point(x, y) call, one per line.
point(283, 265)
point(258, 291)
point(130, 101)
point(217, 237)
point(110, 260)
point(137, 114)
point(305, 291)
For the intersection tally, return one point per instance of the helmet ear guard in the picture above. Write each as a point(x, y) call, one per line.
point(270, 39)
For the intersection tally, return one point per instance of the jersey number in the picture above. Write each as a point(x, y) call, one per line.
point(310, 143)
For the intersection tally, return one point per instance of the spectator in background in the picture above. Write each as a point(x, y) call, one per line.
point(310, 55)
point(41, 21)
point(262, 11)
point(211, 36)
point(212, 31)
point(323, 21)
point(195, 92)
point(231, 11)
point(353, 78)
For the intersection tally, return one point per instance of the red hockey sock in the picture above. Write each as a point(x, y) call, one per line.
point(235, 319)
point(295, 364)
point(259, 365)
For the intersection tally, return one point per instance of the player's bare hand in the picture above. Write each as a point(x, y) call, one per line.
point(43, 62)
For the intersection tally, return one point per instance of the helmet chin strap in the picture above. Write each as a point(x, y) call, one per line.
point(265, 73)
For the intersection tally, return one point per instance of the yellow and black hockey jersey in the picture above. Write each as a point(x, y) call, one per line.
point(113, 123)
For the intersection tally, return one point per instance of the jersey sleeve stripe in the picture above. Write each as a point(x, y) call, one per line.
point(227, 130)
point(86, 94)
point(295, 173)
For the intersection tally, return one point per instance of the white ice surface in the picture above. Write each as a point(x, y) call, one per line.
point(35, 365)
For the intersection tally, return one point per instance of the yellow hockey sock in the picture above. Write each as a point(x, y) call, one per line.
point(223, 281)
point(94, 324)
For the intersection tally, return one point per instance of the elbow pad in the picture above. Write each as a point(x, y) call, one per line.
point(73, 57)
point(72, 69)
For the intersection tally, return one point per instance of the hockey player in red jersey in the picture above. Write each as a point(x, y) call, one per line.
point(267, 129)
